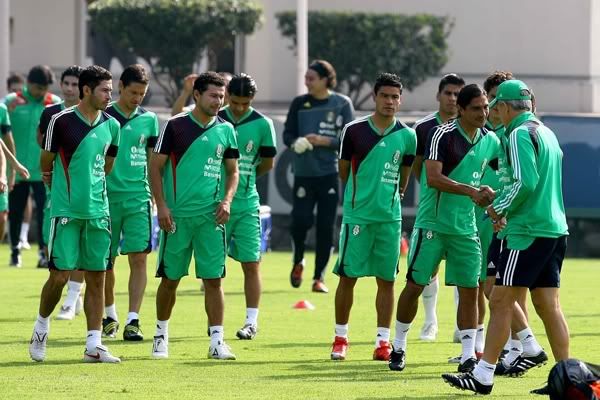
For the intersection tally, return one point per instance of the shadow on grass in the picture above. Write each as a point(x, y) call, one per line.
point(584, 334)
point(105, 341)
point(14, 320)
point(31, 363)
point(314, 344)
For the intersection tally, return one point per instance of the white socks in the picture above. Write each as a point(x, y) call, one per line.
point(480, 339)
point(530, 345)
point(341, 330)
point(216, 335)
point(383, 334)
point(515, 350)
point(42, 324)
point(131, 316)
point(467, 339)
point(73, 292)
point(429, 295)
point(93, 339)
point(401, 334)
point(111, 312)
point(162, 329)
point(251, 316)
point(484, 372)
point(23, 236)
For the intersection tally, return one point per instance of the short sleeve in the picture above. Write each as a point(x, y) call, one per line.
point(268, 144)
point(436, 145)
point(115, 132)
point(4, 120)
point(410, 148)
point(231, 151)
point(51, 140)
point(165, 141)
point(346, 147)
point(421, 134)
point(152, 138)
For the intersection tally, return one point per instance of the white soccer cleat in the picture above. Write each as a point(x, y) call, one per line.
point(79, 305)
point(37, 345)
point(99, 355)
point(429, 332)
point(66, 313)
point(160, 347)
point(220, 352)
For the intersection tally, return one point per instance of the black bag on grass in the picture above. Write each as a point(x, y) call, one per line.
point(574, 379)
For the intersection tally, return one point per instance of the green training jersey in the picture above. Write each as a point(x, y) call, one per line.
point(4, 120)
point(129, 177)
point(25, 112)
point(372, 192)
point(533, 201)
point(493, 175)
point(47, 115)
point(78, 178)
point(256, 139)
point(464, 161)
point(193, 173)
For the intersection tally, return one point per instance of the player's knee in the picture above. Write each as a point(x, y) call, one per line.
point(58, 278)
point(212, 284)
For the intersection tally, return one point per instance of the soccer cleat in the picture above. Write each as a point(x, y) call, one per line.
point(503, 354)
point(468, 365)
point(521, 365)
point(455, 360)
point(24, 245)
point(382, 352)
point(296, 274)
point(132, 331)
point(319, 287)
point(456, 336)
point(429, 332)
point(79, 305)
point(15, 259)
point(42, 260)
point(397, 360)
point(37, 345)
point(248, 332)
point(339, 348)
point(467, 381)
point(160, 347)
point(66, 313)
point(99, 355)
point(110, 327)
point(220, 352)
point(543, 391)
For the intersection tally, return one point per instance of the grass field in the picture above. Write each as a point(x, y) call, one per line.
point(289, 359)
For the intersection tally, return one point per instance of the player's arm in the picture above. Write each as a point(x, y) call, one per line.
point(267, 150)
point(15, 165)
point(525, 175)
point(345, 156)
point(407, 161)
point(422, 137)
point(290, 127)
point(188, 88)
point(3, 182)
point(416, 167)
point(46, 166)
point(266, 164)
point(344, 170)
point(231, 183)
point(157, 165)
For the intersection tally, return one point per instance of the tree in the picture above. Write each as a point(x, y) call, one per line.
point(172, 35)
point(360, 45)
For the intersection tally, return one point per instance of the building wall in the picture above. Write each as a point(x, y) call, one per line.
point(552, 44)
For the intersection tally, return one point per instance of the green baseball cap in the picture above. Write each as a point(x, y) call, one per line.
point(512, 89)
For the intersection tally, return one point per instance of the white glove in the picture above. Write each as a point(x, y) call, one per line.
point(301, 145)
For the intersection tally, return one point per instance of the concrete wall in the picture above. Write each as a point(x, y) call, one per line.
point(552, 44)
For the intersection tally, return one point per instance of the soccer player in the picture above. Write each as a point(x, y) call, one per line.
point(376, 155)
point(456, 155)
point(87, 140)
point(448, 90)
point(535, 232)
point(185, 173)
point(312, 128)
point(69, 86)
point(25, 108)
point(256, 141)
point(188, 88)
point(129, 199)
point(15, 83)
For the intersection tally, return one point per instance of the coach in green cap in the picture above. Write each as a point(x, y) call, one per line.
point(532, 215)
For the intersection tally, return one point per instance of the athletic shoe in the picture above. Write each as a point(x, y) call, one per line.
point(15, 259)
point(160, 347)
point(319, 287)
point(79, 305)
point(220, 352)
point(382, 353)
point(339, 348)
point(99, 355)
point(42, 260)
point(37, 345)
point(521, 365)
point(467, 381)
point(543, 391)
point(456, 360)
point(468, 365)
point(110, 327)
point(503, 354)
point(397, 360)
point(429, 332)
point(296, 274)
point(132, 331)
point(456, 336)
point(66, 313)
point(24, 244)
point(248, 332)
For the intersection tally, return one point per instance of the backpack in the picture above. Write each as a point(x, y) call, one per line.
point(574, 379)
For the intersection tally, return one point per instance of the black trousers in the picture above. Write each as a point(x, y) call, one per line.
point(322, 192)
point(17, 200)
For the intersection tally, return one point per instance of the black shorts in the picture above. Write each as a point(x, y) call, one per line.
point(537, 266)
point(493, 255)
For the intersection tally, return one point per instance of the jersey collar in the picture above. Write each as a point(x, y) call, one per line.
point(386, 131)
point(205, 127)
point(466, 136)
point(520, 120)
point(120, 111)
point(242, 118)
